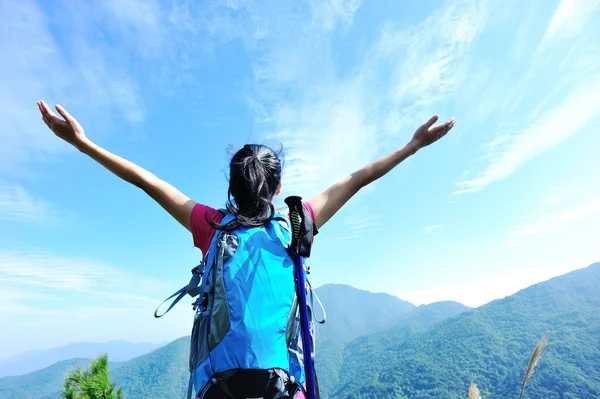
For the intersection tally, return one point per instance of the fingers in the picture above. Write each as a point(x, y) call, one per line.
point(441, 130)
point(431, 121)
point(445, 127)
point(45, 109)
point(63, 112)
point(48, 116)
point(450, 124)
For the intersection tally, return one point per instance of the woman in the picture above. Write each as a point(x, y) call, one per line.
point(255, 178)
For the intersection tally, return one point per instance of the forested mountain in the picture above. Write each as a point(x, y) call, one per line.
point(491, 346)
point(377, 346)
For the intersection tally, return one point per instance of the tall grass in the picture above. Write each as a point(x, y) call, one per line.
point(533, 361)
point(474, 392)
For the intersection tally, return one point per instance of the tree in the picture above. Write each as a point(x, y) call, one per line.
point(92, 383)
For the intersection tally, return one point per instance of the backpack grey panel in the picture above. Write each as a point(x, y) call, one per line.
point(220, 317)
point(199, 343)
point(292, 323)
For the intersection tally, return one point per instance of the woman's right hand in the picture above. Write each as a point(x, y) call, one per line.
point(68, 129)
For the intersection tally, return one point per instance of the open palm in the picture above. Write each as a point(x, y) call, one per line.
point(428, 134)
point(68, 129)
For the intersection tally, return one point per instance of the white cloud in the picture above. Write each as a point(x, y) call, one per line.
point(333, 122)
point(143, 22)
point(570, 18)
point(53, 275)
point(327, 137)
point(427, 63)
point(42, 290)
point(328, 14)
point(80, 74)
point(16, 204)
point(563, 208)
point(550, 129)
point(431, 229)
point(557, 221)
point(475, 292)
point(358, 223)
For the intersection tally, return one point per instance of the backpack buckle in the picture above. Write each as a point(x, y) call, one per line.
point(197, 270)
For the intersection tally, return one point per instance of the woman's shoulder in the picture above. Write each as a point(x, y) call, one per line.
point(202, 231)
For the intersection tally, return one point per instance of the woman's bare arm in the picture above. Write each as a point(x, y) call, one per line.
point(330, 201)
point(173, 201)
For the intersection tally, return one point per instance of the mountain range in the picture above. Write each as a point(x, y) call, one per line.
point(118, 351)
point(378, 346)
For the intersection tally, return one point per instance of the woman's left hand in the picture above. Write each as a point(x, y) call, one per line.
point(428, 134)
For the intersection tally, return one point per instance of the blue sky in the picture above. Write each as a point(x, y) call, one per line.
point(510, 198)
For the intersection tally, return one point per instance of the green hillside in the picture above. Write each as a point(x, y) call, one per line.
point(419, 320)
point(351, 313)
point(491, 346)
point(41, 384)
point(162, 373)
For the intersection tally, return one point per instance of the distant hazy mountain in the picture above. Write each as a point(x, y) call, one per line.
point(118, 351)
point(41, 384)
point(352, 312)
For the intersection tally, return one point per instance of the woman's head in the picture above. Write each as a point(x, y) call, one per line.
point(254, 179)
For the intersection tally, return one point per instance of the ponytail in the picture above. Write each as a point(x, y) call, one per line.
point(254, 176)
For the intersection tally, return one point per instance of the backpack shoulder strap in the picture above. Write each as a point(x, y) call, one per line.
point(283, 220)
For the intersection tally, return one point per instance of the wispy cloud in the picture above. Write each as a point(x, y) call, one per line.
point(54, 275)
point(431, 229)
point(44, 290)
point(79, 72)
point(336, 118)
point(357, 226)
point(427, 61)
point(479, 290)
point(570, 18)
point(561, 208)
point(548, 98)
point(557, 221)
point(16, 204)
point(556, 125)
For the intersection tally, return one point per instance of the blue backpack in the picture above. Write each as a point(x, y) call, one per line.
point(246, 339)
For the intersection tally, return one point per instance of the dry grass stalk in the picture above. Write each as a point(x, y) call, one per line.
point(533, 361)
point(474, 392)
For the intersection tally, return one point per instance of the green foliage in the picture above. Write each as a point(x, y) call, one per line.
point(92, 383)
point(44, 383)
point(162, 373)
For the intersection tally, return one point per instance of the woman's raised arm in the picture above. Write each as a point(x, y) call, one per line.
point(167, 196)
point(326, 204)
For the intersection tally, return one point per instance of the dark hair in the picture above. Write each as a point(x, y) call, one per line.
point(254, 176)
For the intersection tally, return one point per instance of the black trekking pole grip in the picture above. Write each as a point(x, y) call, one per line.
point(294, 204)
